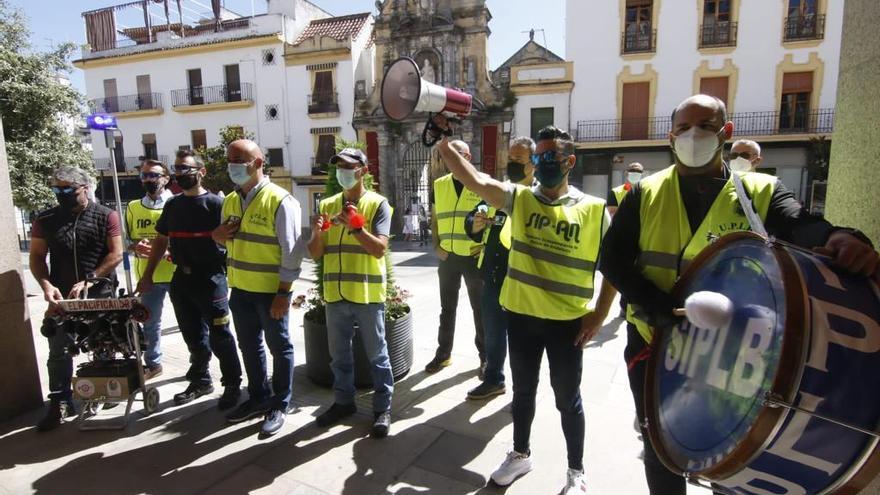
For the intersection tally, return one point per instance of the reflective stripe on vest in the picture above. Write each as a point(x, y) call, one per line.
point(350, 272)
point(553, 256)
point(666, 242)
point(451, 210)
point(141, 222)
point(253, 256)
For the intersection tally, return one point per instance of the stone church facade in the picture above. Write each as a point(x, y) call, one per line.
point(448, 40)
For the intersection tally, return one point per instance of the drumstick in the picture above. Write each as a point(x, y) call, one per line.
point(706, 309)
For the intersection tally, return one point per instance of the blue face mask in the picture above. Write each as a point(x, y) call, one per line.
point(347, 178)
point(238, 173)
point(548, 171)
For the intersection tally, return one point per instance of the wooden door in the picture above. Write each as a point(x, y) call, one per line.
point(145, 93)
point(194, 78)
point(490, 149)
point(111, 97)
point(634, 114)
point(233, 82)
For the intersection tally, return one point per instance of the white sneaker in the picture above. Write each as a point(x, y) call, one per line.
point(576, 484)
point(514, 466)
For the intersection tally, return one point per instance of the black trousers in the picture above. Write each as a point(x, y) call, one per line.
point(450, 273)
point(201, 306)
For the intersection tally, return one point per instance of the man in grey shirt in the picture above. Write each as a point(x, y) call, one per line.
point(261, 226)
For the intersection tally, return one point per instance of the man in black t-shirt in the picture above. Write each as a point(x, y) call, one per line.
point(198, 288)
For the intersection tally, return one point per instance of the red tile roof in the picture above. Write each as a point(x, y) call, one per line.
point(338, 28)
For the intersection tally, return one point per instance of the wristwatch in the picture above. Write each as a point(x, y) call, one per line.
point(284, 292)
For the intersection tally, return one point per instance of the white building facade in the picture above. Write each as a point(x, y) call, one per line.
point(774, 62)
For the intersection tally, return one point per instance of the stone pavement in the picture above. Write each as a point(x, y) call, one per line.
point(440, 443)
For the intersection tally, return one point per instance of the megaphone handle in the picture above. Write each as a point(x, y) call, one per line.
point(432, 129)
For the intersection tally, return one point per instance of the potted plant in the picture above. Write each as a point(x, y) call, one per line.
point(398, 316)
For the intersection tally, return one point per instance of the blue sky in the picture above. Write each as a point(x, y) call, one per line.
point(56, 21)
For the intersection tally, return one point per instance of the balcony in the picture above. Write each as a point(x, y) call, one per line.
point(718, 34)
point(151, 102)
point(325, 102)
point(319, 165)
point(124, 163)
point(804, 27)
point(638, 38)
point(219, 96)
point(773, 123)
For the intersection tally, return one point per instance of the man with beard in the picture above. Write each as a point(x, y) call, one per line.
point(198, 289)
point(83, 242)
point(141, 218)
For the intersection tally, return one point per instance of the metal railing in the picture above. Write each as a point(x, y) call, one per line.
point(204, 95)
point(125, 163)
point(820, 121)
point(804, 27)
point(324, 102)
point(138, 36)
point(718, 33)
point(319, 165)
point(127, 103)
point(642, 39)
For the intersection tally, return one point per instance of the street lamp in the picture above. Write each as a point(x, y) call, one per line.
point(107, 123)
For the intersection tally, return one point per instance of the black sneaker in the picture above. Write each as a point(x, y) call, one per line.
point(193, 392)
point(55, 414)
point(486, 390)
point(247, 410)
point(381, 425)
point(336, 413)
point(273, 422)
point(437, 364)
point(230, 398)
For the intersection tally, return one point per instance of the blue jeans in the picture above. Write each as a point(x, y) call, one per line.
point(370, 318)
point(202, 310)
point(250, 313)
point(495, 333)
point(154, 301)
point(528, 338)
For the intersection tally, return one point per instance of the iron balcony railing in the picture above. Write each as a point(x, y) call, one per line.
point(819, 121)
point(718, 33)
point(804, 27)
point(324, 102)
point(319, 165)
point(125, 163)
point(638, 38)
point(205, 95)
point(127, 103)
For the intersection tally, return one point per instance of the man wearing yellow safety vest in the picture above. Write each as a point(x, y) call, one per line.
point(451, 202)
point(634, 173)
point(669, 217)
point(491, 228)
point(141, 218)
point(556, 231)
point(261, 225)
point(350, 236)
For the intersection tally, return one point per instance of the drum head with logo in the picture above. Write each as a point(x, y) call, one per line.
point(705, 385)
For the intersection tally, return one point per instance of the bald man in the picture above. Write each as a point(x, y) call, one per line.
point(261, 226)
point(745, 156)
point(458, 253)
point(653, 239)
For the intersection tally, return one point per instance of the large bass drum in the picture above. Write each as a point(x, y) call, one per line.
point(783, 399)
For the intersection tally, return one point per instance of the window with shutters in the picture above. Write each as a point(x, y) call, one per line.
point(541, 117)
point(326, 148)
point(150, 148)
point(794, 110)
point(638, 34)
point(804, 21)
point(715, 86)
point(275, 157)
point(199, 138)
point(718, 28)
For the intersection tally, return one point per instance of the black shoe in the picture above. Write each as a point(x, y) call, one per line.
point(382, 425)
point(486, 390)
point(55, 414)
point(230, 398)
point(273, 422)
point(437, 364)
point(247, 410)
point(336, 413)
point(193, 392)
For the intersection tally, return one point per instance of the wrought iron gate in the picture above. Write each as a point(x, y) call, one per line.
point(414, 178)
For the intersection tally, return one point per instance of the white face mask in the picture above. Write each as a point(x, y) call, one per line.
point(696, 147)
point(740, 164)
point(347, 178)
point(633, 177)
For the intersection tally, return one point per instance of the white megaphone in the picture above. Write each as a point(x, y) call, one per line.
point(404, 92)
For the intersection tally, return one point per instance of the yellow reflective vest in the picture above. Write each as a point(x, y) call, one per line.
point(253, 256)
point(553, 256)
point(504, 237)
point(619, 193)
point(141, 222)
point(451, 210)
point(666, 243)
point(350, 272)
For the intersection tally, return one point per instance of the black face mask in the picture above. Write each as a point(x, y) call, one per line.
point(516, 171)
point(152, 188)
point(549, 173)
point(68, 201)
point(188, 181)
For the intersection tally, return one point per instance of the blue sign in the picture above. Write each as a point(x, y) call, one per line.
point(101, 121)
